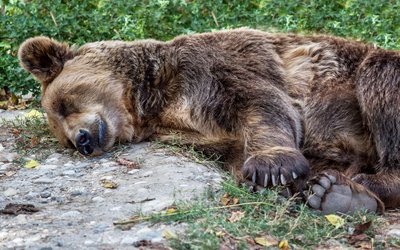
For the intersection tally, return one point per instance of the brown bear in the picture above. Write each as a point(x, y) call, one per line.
point(284, 108)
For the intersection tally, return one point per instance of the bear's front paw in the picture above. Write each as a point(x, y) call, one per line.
point(276, 166)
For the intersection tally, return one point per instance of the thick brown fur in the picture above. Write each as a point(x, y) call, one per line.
point(278, 107)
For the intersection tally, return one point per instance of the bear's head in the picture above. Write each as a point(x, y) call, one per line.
point(87, 104)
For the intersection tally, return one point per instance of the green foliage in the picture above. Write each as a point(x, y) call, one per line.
point(89, 20)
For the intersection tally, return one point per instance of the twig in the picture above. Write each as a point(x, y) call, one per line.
point(215, 18)
point(54, 20)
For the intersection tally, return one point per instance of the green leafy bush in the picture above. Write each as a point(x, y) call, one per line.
point(80, 21)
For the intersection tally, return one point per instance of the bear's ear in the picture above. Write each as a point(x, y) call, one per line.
point(44, 58)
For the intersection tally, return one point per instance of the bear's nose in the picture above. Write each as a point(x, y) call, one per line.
point(83, 142)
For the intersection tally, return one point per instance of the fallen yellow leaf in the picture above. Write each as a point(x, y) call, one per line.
point(32, 164)
point(34, 114)
point(170, 210)
point(220, 233)
point(109, 184)
point(267, 241)
point(335, 220)
point(236, 216)
point(168, 234)
point(284, 244)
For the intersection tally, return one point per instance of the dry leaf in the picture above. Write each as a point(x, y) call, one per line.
point(34, 114)
point(34, 141)
point(267, 241)
point(361, 228)
point(236, 216)
point(335, 220)
point(15, 131)
point(225, 199)
point(128, 163)
point(170, 210)
point(31, 164)
point(284, 244)
point(220, 233)
point(10, 173)
point(168, 234)
point(109, 184)
point(235, 201)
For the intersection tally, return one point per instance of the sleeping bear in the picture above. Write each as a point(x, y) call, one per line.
point(281, 109)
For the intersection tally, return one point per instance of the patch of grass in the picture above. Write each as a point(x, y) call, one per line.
point(188, 151)
point(267, 215)
point(32, 137)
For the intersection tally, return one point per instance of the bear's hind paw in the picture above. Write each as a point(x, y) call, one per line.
point(331, 192)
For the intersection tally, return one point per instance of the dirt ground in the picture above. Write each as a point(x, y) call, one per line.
point(75, 201)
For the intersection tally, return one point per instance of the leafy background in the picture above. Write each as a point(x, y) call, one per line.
point(80, 21)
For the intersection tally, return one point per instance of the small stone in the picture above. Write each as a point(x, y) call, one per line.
point(129, 240)
point(43, 180)
point(45, 194)
point(88, 242)
point(31, 195)
point(133, 171)
point(394, 233)
point(76, 193)
point(115, 208)
point(82, 165)
point(71, 214)
point(46, 248)
point(98, 199)
point(69, 173)
point(59, 199)
point(47, 167)
point(7, 156)
point(10, 192)
point(21, 219)
point(69, 164)
point(100, 228)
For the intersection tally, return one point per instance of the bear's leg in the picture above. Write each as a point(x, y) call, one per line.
point(386, 185)
point(378, 90)
point(271, 134)
point(333, 192)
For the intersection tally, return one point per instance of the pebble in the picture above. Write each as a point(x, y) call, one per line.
point(21, 219)
point(47, 167)
point(69, 164)
point(129, 240)
point(69, 173)
point(100, 228)
point(134, 171)
point(10, 192)
point(76, 193)
point(98, 199)
point(7, 156)
point(43, 180)
point(88, 242)
point(71, 214)
point(394, 233)
point(45, 194)
point(82, 165)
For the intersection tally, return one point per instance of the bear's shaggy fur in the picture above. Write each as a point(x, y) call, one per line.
point(282, 107)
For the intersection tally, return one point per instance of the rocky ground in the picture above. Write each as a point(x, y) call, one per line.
point(77, 201)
